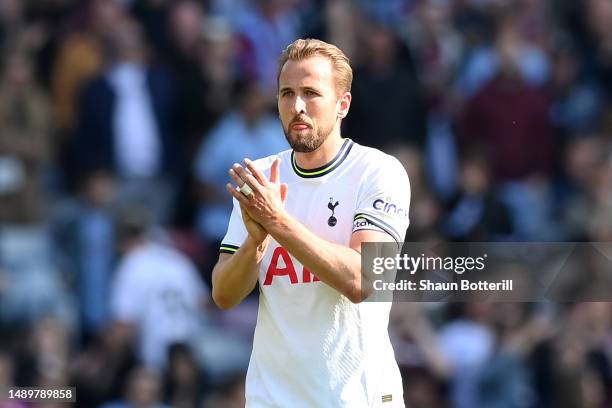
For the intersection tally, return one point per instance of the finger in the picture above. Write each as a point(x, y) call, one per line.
point(239, 182)
point(283, 191)
point(236, 178)
point(247, 177)
point(275, 171)
point(242, 199)
point(258, 174)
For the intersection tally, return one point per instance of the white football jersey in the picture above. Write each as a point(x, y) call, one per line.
point(313, 347)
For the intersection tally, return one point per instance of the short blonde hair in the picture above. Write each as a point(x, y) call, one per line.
point(306, 48)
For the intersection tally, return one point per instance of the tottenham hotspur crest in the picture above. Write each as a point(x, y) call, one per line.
point(331, 221)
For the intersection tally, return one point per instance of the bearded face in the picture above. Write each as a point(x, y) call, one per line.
point(305, 137)
point(308, 103)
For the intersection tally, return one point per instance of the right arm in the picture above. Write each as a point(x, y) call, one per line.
point(235, 275)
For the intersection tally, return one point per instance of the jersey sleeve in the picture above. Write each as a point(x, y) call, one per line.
point(384, 199)
point(236, 231)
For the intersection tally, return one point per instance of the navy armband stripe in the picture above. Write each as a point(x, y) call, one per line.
point(380, 224)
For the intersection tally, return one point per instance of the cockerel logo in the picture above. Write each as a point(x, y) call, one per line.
point(332, 221)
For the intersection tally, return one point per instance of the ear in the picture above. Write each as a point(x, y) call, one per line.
point(344, 103)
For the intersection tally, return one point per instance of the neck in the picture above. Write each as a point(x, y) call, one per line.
point(323, 155)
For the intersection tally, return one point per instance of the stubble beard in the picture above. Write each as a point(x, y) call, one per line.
point(307, 141)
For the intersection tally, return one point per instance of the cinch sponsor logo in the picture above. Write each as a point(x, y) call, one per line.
point(388, 207)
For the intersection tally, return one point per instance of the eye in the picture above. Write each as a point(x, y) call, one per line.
point(287, 93)
point(310, 93)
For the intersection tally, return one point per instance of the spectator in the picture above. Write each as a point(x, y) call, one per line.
point(485, 62)
point(475, 213)
point(385, 74)
point(153, 15)
point(581, 366)
point(436, 45)
point(25, 142)
point(467, 343)
point(264, 30)
point(577, 99)
point(228, 395)
point(16, 30)
point(185, 24)
point(126, 125)
point(184, 382)
point(600, 226)
point(424, 208)
point(388, 11)
point(509, 119)
point(143, 390)
point(44, 358)
point(93, 234)
point(157, 294)
point(80, 57)
point(25, 152)
point(504, 381)
point(217, 57)
point(597, 14)
point(423, 390)
point(584, 159)
point(100, 370)
point(508, 115)
point(11, 16)
point(334, 21)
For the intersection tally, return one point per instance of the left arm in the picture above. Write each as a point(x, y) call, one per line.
point(337, 265)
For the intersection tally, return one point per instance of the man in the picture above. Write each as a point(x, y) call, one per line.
point(316, 344)
point(126, 124)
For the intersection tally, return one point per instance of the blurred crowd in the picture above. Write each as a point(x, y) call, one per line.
point(120, 118)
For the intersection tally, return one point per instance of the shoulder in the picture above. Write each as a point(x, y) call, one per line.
point(142, 257)
point(158, 252)
point(133, 262)
point(376, 161)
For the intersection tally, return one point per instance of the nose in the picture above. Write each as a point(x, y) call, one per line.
point(299, 106)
